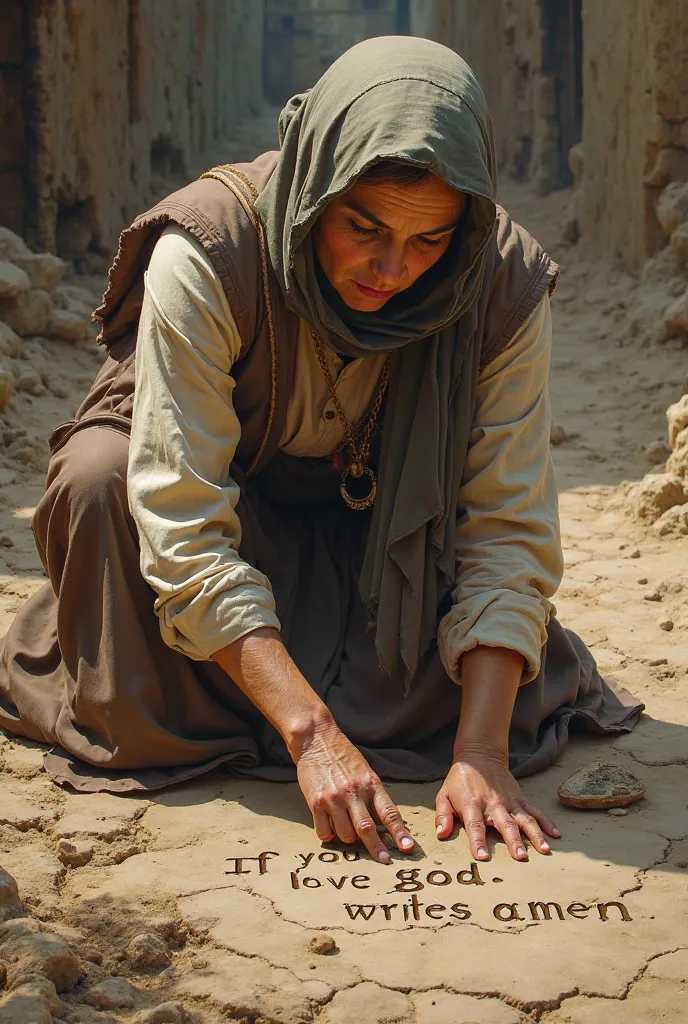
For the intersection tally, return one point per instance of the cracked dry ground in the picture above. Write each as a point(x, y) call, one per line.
point(96, 872)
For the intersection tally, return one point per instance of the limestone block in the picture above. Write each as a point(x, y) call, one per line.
point(68, 326)
point(13, 280)
point(679, 244)
point(148, 952)
point(672, 206)
point(677, 419)
point(99, 814)
point(21, 812)
point(6, 387)
point(10, 904)
point(29, 947)
point(28, 313)
point(43, 270)
point(111, 994)
point(74, 854)
point(656, 493)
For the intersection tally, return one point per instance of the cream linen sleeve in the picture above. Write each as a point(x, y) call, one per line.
point(184, 435)
point(508, 546)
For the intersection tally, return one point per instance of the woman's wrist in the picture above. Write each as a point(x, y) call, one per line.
point(304, 730)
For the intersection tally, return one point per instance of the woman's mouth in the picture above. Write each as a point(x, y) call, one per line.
point(373, 293)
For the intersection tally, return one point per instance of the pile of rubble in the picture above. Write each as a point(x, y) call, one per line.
point(39, 300)
point(661, 499)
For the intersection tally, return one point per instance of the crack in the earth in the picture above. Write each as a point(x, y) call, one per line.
point(676, 761)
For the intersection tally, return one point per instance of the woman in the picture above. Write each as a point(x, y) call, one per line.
point(343, 537)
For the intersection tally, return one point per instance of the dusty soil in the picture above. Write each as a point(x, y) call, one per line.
point(226, 935)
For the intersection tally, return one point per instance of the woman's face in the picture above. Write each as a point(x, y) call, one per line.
point(379, 237)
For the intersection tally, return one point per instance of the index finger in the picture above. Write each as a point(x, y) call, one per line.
point(391, 817)
point(365, 827)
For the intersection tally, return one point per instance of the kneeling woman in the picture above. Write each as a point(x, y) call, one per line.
point(305, 522)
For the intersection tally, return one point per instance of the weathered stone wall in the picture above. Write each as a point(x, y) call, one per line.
point(13, 150)
point(118, 96)
point(303, 37)
point(635, 121)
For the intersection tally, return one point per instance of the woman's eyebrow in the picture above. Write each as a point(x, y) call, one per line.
point(364, 212)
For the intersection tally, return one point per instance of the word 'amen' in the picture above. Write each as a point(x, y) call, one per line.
point(505, 912)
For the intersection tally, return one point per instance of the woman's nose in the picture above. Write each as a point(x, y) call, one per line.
point(388, 267)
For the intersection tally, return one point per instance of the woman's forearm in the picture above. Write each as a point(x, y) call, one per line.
point(490, 678)
point(262, 668)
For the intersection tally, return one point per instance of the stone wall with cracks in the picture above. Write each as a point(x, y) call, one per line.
point(118, 97)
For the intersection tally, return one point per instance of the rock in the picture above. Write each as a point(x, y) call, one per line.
point(666, 624)
point(28, 313)
point(677, 419)
point(31, 948)
point(170, 929)
point(100, 815)
point(33, 1002)
point(658, 661)
point(43, 270)
point(652, 595)
point(617, 812)
point(557, 434)
point(674, 522)
point(12, 247)
point(656, 453)
point(642, 580)
point(655, 493)
point(68, 326)
point(672, 206)
point(73, 853)
point(30, 381)
point(10, 904)
point(94, 956)
point(166, 1013)
point(322, 944)
point(6, 387)
point(10, 342)
point(148, 952)
point(600, 786)
point(676, 317)
point(13, 280)
point(679, 244)
point(671, 165)
point(41, 987)
point(75, 299)
point(370, 1003)
point(678, 460)
point(111, 994)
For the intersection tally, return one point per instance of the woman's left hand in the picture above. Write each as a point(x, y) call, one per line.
point(481, 791)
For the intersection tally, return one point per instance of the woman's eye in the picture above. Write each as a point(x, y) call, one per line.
point(431, 242)
point(358, 230)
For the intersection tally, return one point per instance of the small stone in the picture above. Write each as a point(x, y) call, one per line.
point(656, 493)
point(94, 956)
point(652, 595)
point(601, 786)
point(13, 280)
point(198, 964)
point(666, 624)
point(656, 453)
point(617, 812)
point(129, 851)
point(10, 343)
point(148, 952)
point(70, 326)
point(658, 661)
point(166, 1013)
point(74, 854)
point(111, 994)
point(170, 929)
point(674, 522)
point(643, 581)
point(557, 434)
point(682, 864)
point(635, 553)
point(6, 541)
point(322, 944)
point(44, 270)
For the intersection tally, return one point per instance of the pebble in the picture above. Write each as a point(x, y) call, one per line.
point(6, 541)
point(166, 1013)
point(635, 553)
point(322, 944)
point(601, 786)
point(643, 581)
point(617, 812)
point(111, 994)
point(652, 595)
point(682, 864)
point(74, 854)
point(557, 434)
point(148, 952)
point(666, 624)
point(658, 661)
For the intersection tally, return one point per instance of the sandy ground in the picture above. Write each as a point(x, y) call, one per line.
point(226, 935)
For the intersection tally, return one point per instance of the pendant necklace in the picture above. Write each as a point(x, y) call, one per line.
point(356, 439)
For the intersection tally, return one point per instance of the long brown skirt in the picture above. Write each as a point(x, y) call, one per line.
point(84, 668)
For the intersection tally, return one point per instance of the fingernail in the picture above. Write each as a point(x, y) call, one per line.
point(520, 852)
point(546, 846)
point(384, 857)
point(556, 832)
point(482, 853)
point(406, 843)
point(439, 830)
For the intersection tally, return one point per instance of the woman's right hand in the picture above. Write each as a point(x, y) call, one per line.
point(342, 792)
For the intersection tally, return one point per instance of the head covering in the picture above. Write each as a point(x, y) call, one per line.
point(413, 100)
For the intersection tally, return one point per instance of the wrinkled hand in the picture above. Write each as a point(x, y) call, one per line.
point(342, 792)
point(482, 792)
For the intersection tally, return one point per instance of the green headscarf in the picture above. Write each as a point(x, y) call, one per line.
point(413, 100)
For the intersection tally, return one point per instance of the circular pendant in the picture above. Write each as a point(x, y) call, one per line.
point(359, 503)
